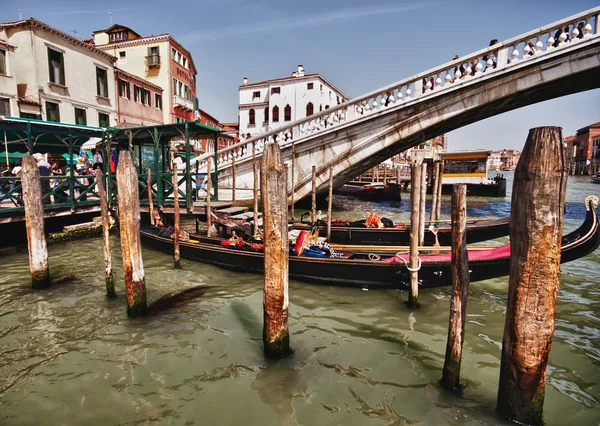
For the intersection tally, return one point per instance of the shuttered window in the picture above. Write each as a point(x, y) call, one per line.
point(3, 62)
point(80, 116)
point(101, 82)
point(56, 67)
point(52, 112)
point(4, 107)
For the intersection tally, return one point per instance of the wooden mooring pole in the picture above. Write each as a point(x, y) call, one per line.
point(438, 209)
point(176, 251)
point(150, 203)
point(329, 203)
point(313, 205)
point(460, 289)
point(292, 178)
point(208, 188)
point(415, 195)
point(434, 192)
point(422, 200)
point(131, 247)
point(34, 223)
point(276, 335)
point(233, 179)
point(108, 274)
point(256, 231)
point(536, 225)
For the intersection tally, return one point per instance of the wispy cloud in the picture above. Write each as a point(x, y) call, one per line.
point(270, 26)
point(81, 12)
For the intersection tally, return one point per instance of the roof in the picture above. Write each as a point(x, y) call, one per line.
point(587, 128)
point(292, 78)
point(467, 154)
point(145, 134)
point(114, 27)
point(138, 79)
point(145, 39)
point(74, 40)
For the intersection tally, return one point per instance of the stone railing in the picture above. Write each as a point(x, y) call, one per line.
point(496, 57)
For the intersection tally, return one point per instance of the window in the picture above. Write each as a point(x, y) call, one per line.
point(31, 116)
point(321, 88)
point(3, 62)
point(309, 86)
point(137, 93)
point(287, 113)
point(255, 95)
point(338, 99)
point(80, 116)
point(275, 90)
point(320, 107)
point(275, 114)
point(251, 117)
point(4, 107)
point(146, 95)
point(310, 109)
point(52, 112)
point(266, 114)
point(174, 86)
point(158, 100)
point(153, 57)
point(103, 119)
point(124, 89)
point(118, 36)
point(56, 67)
point(173, 53)
point(185, 62)
point(101, 82)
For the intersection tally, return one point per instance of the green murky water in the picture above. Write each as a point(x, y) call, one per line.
point(69, 356)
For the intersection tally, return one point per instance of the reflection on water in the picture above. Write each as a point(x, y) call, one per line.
point(69, 355)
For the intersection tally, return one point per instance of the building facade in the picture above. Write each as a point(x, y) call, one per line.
point(8, 85)
point(57, 76)
point(159, 59)
point(270, 104)
point(138, 101)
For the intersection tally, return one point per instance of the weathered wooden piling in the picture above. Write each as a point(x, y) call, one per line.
point(434, 192)
point(176, 218)
point(292, 178)
point(108, 274)
point(34, 222)
point(460, 289)
point(313, 204)
point(233, 179)
point(276, 335)
point(536, 225)
point(208, 188)
point(131, 247)
point(384, 174)
point(150, 202)
point(438, 210)
point(255, 192)
point(415, 195)
point(329, 203)
point(422, 199)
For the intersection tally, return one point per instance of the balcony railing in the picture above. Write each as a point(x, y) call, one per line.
point(183, 102)
point(153, 61)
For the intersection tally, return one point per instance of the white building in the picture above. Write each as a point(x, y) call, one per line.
point(57, 76)
point(267, 105)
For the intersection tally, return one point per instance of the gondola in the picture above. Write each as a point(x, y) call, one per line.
point(371, 192)
point(372, 269)
point(356, 233)
point(596, 177)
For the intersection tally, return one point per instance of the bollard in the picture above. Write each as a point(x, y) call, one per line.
point(131, 248)
point(313, 205)
point(276, 335)
point(177, 226)
point(415, 194)
point(422, 199)
point(329, 203)
point(34, 222)
point(460, 289)
point(536, 225)
point(108, 275)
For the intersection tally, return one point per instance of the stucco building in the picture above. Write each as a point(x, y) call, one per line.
point(57, 76)
point(138, 101)
point(269, 104)
point(159, 59)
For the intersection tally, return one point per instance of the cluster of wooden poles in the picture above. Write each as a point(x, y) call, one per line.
point(540, 186)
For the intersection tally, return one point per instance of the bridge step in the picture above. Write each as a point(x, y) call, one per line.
point(245, 216)
point(231, 211)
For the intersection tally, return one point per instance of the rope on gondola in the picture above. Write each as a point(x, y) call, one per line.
point(373, 256)
point(406, 263)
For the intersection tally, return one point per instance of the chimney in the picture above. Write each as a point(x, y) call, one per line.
point(245, 80)
point(300, 72)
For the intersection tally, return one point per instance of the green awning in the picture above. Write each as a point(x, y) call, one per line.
point(13, 157)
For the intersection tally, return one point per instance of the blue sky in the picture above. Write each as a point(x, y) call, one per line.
point(357, 45)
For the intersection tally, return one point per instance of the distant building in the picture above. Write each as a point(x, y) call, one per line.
point(269, 104)
point(159, 59)
point(223, 140)
point(138, 101)
point(57, 76)
point(426, 150)
point(588, 144)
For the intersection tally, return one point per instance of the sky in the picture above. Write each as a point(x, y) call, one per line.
point(359, 46)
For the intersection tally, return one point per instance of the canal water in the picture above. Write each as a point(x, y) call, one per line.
point(69, 356)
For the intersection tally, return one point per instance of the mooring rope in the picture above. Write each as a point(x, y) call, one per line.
point(406, 263)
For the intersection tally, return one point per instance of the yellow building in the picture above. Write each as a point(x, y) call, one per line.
point(159, 59)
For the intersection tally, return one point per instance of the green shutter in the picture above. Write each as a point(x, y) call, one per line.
point(149, 51)
point(62, 69)
point(2, 61)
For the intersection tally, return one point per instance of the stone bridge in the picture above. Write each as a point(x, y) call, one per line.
point(352, 137)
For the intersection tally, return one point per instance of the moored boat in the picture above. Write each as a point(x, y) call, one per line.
point(371, 192)
point(372, 269)
point(596, 177)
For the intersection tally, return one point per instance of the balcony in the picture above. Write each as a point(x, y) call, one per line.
point(153, 61)
point(183, 102)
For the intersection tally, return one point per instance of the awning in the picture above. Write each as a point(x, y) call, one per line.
point(90, 144)
point(13, 157)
